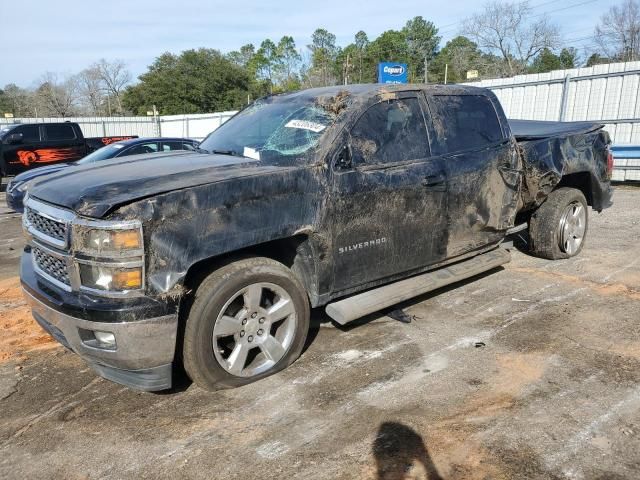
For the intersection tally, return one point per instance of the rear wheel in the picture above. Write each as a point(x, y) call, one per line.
point(558, 228)
point(248, 320)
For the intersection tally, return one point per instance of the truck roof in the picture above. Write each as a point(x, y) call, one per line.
point(371, 89)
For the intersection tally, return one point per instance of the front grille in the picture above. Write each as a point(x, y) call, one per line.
point(46, 226)
point(52, 266)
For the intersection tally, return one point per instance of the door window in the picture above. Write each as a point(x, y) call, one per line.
point(60, 132)
point(142, 148)
point(391, 131)
point(169, 146)
point(464, 122)
point(30, 133)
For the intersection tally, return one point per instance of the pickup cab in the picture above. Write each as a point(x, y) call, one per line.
point(29, 145)
point(348, 198)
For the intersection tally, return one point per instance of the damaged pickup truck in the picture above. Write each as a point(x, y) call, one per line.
point(353, 198)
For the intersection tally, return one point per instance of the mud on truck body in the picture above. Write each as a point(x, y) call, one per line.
point(353, 198)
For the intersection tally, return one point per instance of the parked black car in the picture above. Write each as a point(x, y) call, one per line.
point(29, 145)
point(16, 188)
point(349, 198)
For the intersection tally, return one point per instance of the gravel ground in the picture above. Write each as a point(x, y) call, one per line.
point(529, 371)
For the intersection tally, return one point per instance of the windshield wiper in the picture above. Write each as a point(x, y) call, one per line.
point(202, 150)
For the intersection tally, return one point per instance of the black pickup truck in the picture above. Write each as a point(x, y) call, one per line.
point(353, 198)
point(29, 145)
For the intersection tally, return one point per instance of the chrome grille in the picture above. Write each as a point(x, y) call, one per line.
point(54, 267)
point(47, 226)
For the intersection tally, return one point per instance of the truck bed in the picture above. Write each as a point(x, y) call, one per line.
point(553, 151)
point(537, 130)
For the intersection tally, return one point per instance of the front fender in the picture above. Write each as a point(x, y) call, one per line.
point(188, 226)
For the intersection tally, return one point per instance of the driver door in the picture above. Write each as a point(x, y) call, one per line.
point(388, 207)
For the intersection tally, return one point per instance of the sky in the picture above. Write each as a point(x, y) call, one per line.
point(65, 36)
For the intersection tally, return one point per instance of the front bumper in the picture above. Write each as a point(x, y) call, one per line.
point(145, 331)
point(144, 351)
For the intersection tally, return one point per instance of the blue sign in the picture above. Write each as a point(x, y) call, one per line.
point(392, 72)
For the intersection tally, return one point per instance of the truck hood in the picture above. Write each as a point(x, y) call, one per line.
point(95, 190)
point(40, 171)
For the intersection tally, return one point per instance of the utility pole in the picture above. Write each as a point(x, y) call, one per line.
point(446, 71)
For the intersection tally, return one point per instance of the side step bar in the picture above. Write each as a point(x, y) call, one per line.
point(357, 306)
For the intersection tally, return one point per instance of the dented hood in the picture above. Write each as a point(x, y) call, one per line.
point(95, 190)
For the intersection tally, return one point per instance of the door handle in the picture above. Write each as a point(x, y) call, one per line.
point(435, 182)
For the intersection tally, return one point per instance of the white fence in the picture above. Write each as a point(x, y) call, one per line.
point(195, 126)
point(603, 93)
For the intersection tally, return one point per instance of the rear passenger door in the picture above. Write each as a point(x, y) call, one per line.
point(388, 208)
point(481, 163)
point(61, 144)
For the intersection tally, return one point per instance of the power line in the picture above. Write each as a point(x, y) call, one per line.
point(444, 28)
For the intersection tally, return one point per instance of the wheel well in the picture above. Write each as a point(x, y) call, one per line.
point(283, 250)
point(580, 181)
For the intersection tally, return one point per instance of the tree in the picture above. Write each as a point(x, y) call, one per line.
point(618, 34)
point(91, 89)
point(546, 61)
point(361, 45)
point(459, 55)
point(267, 60)
point(19, 101)
point(243, 56)
point(196, 81)
point(57, 98)
point(390, 46)
point(509, 30)
point(569, 57)
point(115, 77)
point(288, 61)
point(422, 43)
point(323, 54)
point(597, 59)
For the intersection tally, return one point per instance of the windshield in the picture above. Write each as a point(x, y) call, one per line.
point(5, 128)
point(272, 128)
point(103, 153)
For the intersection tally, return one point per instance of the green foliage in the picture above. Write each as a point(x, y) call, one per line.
point(422, 40)
point(545, 61)
point(196, 81)
point(323, 55)
point(458, 56)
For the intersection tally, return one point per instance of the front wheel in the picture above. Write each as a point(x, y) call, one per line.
point(249, 319)
point(558, 228)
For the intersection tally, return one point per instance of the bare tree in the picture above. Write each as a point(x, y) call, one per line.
point(115, 77)
point(91, 89)
point(57, 97)
point(618, 34)
point(510, 31)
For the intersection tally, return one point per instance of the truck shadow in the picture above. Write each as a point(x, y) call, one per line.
point(400, 453)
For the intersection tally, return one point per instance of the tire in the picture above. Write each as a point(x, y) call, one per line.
point(215, 338)
point(558, 228)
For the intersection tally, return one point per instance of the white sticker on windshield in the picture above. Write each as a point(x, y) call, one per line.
point(117, 146)
point(306, 125)
point(251, 153)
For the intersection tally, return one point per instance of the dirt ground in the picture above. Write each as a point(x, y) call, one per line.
point(530, 371)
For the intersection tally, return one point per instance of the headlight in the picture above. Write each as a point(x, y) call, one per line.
point(11, 186)
point(109, 255)
point(100, 241)
point(110, 278)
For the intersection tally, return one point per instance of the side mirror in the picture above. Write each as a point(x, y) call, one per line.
point(343, 159)
point(14, 138)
